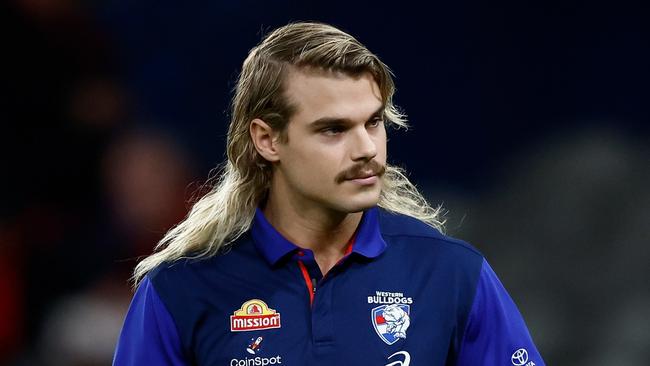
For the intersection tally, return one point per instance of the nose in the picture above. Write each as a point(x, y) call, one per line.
point(363, 145)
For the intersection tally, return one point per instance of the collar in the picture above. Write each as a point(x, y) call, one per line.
point(368, 241)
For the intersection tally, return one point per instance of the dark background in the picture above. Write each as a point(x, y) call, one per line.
point(530, 125)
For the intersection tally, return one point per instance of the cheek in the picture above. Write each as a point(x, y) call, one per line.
point(311, 168)
point(381, 149)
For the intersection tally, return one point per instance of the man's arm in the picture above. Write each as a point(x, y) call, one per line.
point(149, 335)
point(496, 333)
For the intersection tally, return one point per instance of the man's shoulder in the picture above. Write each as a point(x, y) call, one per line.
point(198, 264)
point(179, 267)
point(398, 228)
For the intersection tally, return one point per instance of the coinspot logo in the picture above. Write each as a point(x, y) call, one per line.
point(520, 357)
point(253, 348)
point(256, 361)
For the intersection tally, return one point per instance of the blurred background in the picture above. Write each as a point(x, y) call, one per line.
point(530, 125)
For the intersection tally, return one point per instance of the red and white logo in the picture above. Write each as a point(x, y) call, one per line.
point(254, 315)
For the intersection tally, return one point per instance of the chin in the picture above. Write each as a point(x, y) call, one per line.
point(358, 204)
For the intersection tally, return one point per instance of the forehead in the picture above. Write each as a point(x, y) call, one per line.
point(317, 93)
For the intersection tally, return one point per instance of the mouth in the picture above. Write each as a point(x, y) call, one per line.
point(364, 175)
point(365, 179)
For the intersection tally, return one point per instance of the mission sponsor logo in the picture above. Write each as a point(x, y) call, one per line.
point(254, 315)
point(383, 297)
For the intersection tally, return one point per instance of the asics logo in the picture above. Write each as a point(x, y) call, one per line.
point(405, 362)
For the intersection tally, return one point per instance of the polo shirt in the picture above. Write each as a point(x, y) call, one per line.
point(403, 294)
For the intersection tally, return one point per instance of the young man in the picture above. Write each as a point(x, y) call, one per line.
point(310, 249)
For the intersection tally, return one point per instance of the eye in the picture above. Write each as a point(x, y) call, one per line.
point(332, 130)
point(375, 122)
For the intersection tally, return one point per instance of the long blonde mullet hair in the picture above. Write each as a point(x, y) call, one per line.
point(227, 210)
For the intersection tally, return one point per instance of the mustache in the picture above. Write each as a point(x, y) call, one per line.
point(355, 171)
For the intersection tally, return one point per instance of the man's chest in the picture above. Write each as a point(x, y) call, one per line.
point(352, 319)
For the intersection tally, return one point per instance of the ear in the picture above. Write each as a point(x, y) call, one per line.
point(265, 139)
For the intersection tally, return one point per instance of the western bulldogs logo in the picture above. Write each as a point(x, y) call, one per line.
point(391, 322)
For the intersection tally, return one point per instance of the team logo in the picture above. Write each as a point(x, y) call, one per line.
point(254, 315)
point(391, 322)
point(254, 346)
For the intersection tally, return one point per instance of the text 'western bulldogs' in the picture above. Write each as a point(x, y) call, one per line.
point(383, 297)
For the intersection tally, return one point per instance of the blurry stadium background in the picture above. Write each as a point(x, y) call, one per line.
point(530, 124)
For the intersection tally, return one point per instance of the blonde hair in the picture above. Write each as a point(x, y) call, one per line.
point(227, 210)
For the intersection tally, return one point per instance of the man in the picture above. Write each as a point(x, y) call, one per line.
point(310, 249)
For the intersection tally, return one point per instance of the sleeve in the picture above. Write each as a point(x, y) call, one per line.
point(496, 333)
point(149, 335)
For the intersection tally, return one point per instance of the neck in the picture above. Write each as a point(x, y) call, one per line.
point(324, 232)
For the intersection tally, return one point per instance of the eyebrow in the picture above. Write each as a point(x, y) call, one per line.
point(328, 121)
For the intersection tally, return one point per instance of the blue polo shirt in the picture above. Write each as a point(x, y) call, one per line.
point(404, 294)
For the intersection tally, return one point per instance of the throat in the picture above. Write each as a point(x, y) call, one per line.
point(312, 228)
point(326, 260)
point(327, 236)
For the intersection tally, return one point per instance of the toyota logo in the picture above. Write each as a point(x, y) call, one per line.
point(520, 357)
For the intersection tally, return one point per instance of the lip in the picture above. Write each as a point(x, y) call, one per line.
point(365, 181)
